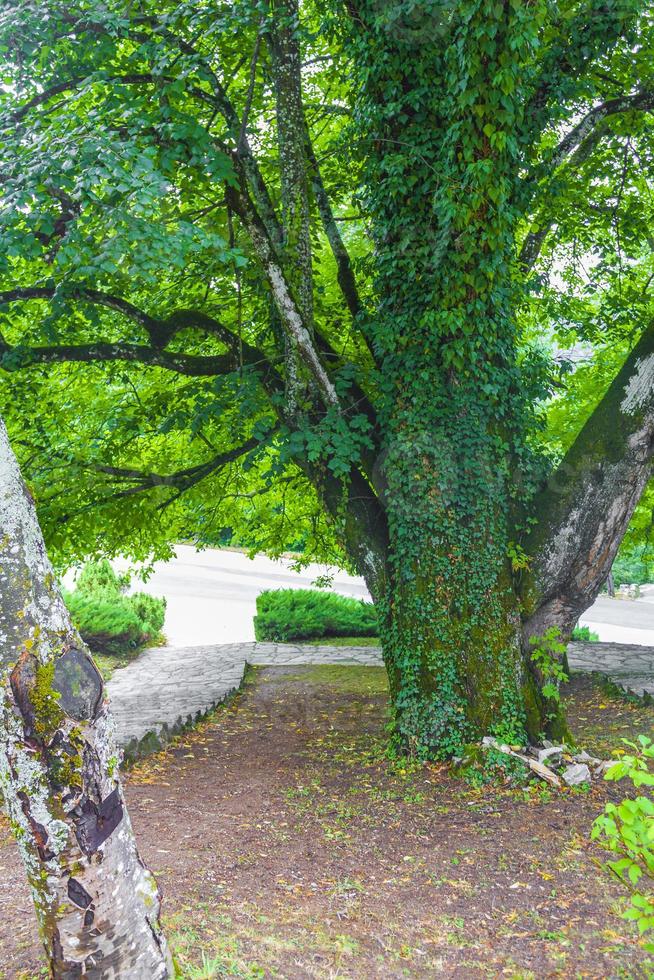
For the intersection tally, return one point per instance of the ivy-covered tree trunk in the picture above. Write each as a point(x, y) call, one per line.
point(97, 905)
point(382, 353)
point(452, 622)
point(454, 415)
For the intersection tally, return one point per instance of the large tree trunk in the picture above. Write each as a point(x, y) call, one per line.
point(457, 668)
point(458, 630)
point(96, 903)
point(451, 619)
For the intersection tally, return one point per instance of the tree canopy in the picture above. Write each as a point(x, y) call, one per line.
point(145, 370)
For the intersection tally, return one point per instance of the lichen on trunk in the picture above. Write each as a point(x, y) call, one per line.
point(97, 905)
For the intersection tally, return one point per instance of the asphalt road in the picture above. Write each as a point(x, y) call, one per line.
point(212, 594)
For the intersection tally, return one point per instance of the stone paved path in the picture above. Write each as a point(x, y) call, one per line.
point(167, 688)
point(630, 666)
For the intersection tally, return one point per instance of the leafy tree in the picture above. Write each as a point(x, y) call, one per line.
point(309, 272)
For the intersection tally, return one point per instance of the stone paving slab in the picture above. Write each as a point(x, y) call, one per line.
point(628, 665)
point(289, 655)
point(168, 688)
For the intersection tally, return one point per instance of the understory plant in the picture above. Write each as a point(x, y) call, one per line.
point(626, 829)
point(109, 620)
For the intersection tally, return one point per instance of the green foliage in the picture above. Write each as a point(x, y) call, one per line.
point(98, 578)
point(547, 653)
point(302, 614)
point(481, 767)
point(627, 830)
point(584, 634)
point(110, 621)
point(145, 162)
point(634, 565)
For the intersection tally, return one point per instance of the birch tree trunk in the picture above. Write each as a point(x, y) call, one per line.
point(97, 904)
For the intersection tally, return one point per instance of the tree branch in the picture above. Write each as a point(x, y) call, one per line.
point(102, 351)
point(285, 302)
point(74, 83)
point(217, 99)
point(150, 324)
point(181, 480)
point(345, 275)
point(642, 101)
point(574, 149)
point(596, 26)
point(160, 332)
point(585, 509)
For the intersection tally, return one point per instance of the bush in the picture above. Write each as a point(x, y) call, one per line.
point(584, 634)
point(634, 566)
point(109, 621)
point(150, 610)
point(306, 614)
point(97, 578)
point(105, 626)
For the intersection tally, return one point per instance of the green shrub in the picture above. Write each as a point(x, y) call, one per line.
point(106, 626)
point(98, 578)
point(109, 621)
point(150, 610)
point(627, 830)
point(306, 614)
point(584, 634)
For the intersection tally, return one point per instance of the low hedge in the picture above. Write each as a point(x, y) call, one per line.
point(584, 634)
point(306, 614)
point(109, 620)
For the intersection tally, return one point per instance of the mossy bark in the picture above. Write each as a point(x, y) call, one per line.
point(97, 905)
point(459, 671)
point(582, 514)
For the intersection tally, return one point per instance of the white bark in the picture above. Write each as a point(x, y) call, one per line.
point(96, 903)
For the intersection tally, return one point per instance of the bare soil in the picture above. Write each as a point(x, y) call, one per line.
point(288, 845)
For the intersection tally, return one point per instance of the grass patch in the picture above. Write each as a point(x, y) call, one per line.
point(342, 641)
point(367, 681)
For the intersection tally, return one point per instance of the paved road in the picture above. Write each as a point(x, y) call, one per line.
point(211, 598)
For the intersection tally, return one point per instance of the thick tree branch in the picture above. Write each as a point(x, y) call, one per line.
point(637, 102)
point(150, 324)
point(283, 45)
point(160, 332)
point(586, 507)
point(189, 364)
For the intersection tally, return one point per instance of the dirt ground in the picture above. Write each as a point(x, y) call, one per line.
point(288, 845)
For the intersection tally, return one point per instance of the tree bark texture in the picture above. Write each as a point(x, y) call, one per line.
point(97, 904)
